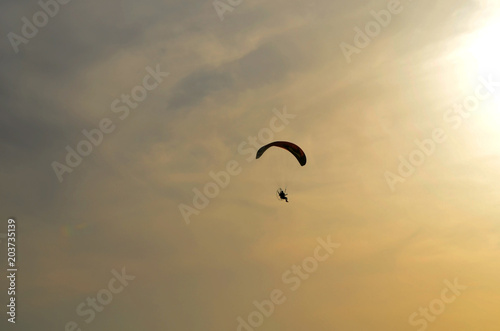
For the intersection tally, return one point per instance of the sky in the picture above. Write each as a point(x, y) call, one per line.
point(128, 133)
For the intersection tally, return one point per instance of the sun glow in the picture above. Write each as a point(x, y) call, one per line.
point(485, 47)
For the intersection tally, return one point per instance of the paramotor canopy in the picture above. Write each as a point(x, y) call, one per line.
point(292, 148)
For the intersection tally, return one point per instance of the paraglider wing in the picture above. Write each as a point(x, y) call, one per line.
point(292, 148)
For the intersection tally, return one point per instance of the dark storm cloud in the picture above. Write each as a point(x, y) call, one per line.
point(26, 135)
point(30, 122)
point(38, 117)
point(81, 33)
point(70, 40)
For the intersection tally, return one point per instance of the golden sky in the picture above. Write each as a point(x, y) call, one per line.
point(116, 115)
